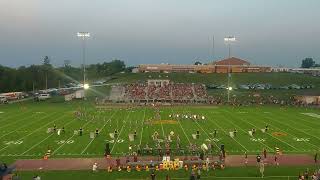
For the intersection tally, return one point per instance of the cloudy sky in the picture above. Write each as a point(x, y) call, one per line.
point(269, 32)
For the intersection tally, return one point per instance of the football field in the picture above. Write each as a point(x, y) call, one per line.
point(24, 129)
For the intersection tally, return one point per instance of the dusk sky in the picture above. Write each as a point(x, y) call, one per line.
point(268, 32)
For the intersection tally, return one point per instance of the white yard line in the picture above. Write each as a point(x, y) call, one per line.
point(301, 130)
point(144, 116)
point(15, 122)
point(205, 133)
point(84, 150)
point(123, 124)
point(246, 131)
point(184, 132)
point(163, 134)
point(296, 130)
point(276, 137)
point(65, 125)
point(36, 145)
point(34, 131)
point(311, 124)
point(69, 138)
point(312, 115)
point(14, 116)
point(27, 124)
point(230, 137)
point(99, 155)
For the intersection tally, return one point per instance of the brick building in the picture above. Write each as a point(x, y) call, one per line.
point(233, 64)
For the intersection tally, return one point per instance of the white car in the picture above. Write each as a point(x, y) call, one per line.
point(42, 97)
point(3, 100)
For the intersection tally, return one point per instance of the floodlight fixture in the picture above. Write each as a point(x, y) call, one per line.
point(86, 86)
point(83, 34)
point(229, 39)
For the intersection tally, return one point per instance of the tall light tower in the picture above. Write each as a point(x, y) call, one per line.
point(229, 40)
point(83, 36)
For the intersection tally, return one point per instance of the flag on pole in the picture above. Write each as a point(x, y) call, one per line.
point(131, 137)
point(49, 130)
point(250, 133)
point(111, 135)
point(231, 134)
point(91, 135)
point(194, 136)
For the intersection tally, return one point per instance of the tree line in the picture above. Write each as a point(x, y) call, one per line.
point(309, 63)
point(27, 78)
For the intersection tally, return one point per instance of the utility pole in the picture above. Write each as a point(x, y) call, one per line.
point(229, 40)
point(83, 36)
point(46, 80)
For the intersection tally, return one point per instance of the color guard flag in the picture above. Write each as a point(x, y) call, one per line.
point(250, 133)
point(111, 135)
point(131, 137)
point(231, 134)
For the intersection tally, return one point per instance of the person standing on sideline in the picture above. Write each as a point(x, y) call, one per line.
point(246, 158)
point(264, 153)
point(261, 168)
point(167, 177)
point(316, 158)
point(199, 173)
point(193, 176)
point(95, 167)
point(258, 158)
point(153, 175)
point(276, 160)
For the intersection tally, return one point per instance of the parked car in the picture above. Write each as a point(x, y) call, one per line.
point(43, 97)
point(3, 100)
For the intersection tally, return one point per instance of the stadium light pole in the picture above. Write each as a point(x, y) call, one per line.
point(83, 36)
point(228, 40)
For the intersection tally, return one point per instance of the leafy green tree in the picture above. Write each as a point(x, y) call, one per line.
point(39, 76)
point(197, 63)
point(307, 63)
point(46, 61)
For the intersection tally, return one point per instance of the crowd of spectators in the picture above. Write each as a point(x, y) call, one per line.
point(182, 91)
point(190, 92)
point(200, 91)
point(309, 175)
point(172, 91)
point(135, 91)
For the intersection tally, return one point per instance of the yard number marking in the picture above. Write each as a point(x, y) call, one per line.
point(302, 139)
point(257, 139)
point(213, 139)
point(65, 141)
point(12, 142)
point(118, 141)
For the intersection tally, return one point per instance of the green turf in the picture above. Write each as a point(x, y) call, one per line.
point(271, 172)
point(23, 129)
point(276, 79)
